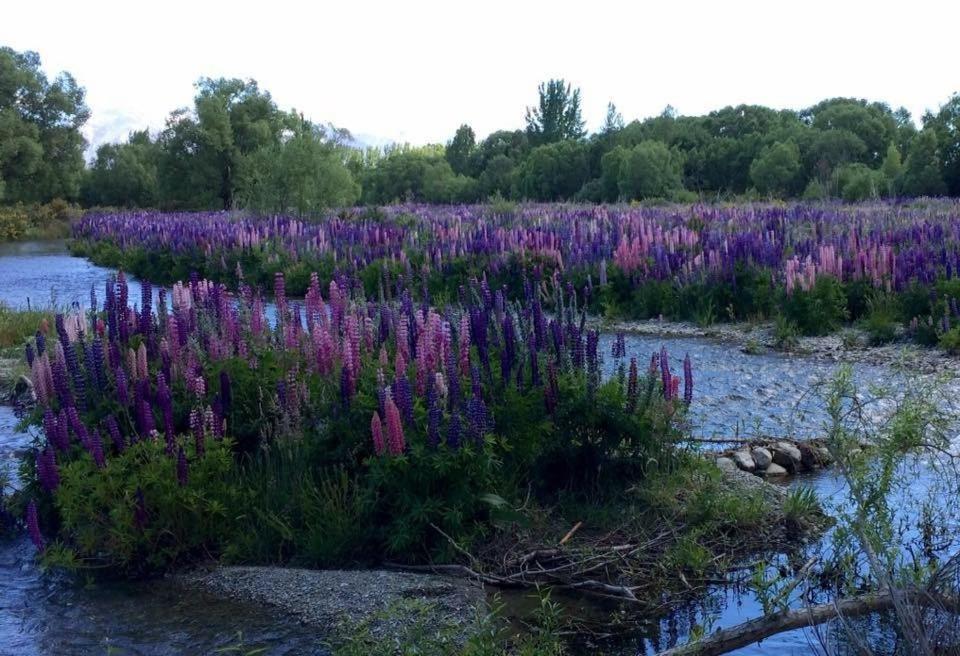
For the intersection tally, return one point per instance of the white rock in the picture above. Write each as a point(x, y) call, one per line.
point(744, 460)
point(726, 464)
point(761, 456)
point(773, 469)
point(786, 455)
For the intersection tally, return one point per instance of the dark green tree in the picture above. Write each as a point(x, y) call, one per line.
point(613, 122)
point(124, 174)
point(554, 171)
point(775, 170)
point(557, 114)
point(922, 173)
point(946, 124)
point(459, 151)
point(41, 147)
point(650, 170)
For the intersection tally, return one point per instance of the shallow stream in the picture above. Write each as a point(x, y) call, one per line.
point(735, 394)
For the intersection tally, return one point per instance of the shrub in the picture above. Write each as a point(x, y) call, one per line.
point(134, 516)
point(819, 311)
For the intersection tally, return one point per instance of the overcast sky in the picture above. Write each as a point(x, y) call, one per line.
point(413, 71)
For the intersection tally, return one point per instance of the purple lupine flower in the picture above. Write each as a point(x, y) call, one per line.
point(376, 431)
point(33, 526)
point(47, 472)
point(478, 421)
point(395, 439)
point(29, 354)
point(453, 431)
point(196, 427)
point(41, 341)
point(182, 470)
point(113, 429)
point(95, 446)
point(687, 380)
point(403, 395)
point(666, 377)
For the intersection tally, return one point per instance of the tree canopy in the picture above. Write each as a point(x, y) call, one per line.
point(234, 148)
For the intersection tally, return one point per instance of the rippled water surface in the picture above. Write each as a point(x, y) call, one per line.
point(735, 393)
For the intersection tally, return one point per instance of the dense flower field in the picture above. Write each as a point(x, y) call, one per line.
point(694, 262)
point(346, 429)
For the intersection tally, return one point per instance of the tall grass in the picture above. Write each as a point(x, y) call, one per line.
point(16, 326)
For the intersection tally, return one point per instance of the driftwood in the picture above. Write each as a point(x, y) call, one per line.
point(748, 633)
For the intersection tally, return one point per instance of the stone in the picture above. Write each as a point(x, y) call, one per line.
point(762, 457)
point(787, 455)
point(744, 460)
point(773, 469)
point(726, 464)
point(823, 453)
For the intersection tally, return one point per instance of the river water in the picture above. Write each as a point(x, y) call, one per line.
point(735, 394)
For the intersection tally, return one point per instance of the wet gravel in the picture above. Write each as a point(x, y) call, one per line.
point(386, 603)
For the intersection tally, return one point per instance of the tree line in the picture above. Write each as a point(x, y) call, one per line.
point(234, 148)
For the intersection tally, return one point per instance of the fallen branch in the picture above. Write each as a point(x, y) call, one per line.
point(748, 633)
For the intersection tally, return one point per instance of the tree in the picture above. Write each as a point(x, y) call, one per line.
point(650, 170)
point(857, 182)
point(922, 175)
point(203, 148)
point(613, 121)
point(892, 169)
point(460, 149)
point(554, 171)
point(557, 115)
point(306, 172)
point(124, 174)
point(610, 165)
point(41, 147)
point(774, 171)
point(874, 124)
point(946, 125)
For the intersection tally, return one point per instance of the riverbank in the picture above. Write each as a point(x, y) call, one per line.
point(850, 346)
point(386, 605)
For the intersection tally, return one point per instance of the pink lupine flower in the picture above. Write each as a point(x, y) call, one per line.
point(376, 429)
point(395, 441)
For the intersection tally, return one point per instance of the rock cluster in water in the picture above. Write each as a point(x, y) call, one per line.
point(776, 457)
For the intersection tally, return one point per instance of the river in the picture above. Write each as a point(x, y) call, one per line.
point(41, 614)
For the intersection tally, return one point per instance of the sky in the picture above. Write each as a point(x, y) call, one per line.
point(413, 71)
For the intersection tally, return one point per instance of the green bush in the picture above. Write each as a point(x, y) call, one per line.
point(133, 516)
point(820, 311)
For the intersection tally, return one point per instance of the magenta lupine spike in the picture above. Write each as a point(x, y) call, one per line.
point(687, 380)
point(665, 374)
point(33, 526)
point(376, 429)
point(395, 440)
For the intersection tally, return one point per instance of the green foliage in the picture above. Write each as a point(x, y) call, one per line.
point(775, 170)
point(557, 114)
point(554, 171)
point(48, 221)
point(820, 311)
point(459, 152)
point(922, 174)
point(882, 317)
point(857, 182)
point(124, 174)
point(41, 146)
point(649, 170)
point(97, 508)
point(18, 325)
point(800, 504)
point(950, 341)
point(786, 334)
